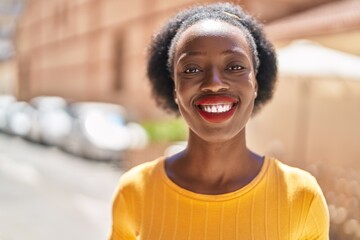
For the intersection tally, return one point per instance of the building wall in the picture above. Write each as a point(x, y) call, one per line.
point(8, 77)
point(312, 120)
point(90, 49)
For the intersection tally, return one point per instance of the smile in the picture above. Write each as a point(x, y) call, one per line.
point(216, 108)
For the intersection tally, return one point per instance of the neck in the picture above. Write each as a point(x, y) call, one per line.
point(217, 161)
point(216, 153)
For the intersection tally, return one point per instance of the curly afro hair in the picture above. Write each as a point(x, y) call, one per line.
point(161, 51)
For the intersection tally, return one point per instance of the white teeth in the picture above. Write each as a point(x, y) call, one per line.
point(221, 108)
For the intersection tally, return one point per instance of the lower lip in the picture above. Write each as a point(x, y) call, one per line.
point(217, 117)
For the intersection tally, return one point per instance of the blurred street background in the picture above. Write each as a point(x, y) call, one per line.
point(76, 108)
point(46, 194)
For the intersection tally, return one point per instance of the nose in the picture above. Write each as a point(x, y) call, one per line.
point(214, 82)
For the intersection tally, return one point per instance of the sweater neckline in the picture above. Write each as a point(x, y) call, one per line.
point(210, 197)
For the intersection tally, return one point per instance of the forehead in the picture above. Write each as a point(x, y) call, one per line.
point(219, 34)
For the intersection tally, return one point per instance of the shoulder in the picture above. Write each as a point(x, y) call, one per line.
point(138, 176)
point(129, 198)
point(295, 178)
point(296, 185)
point(304, 194)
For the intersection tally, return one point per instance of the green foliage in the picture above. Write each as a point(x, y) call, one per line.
point(166, 130)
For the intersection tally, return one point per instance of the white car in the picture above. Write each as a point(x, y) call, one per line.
point(101, 131)
point(16, 118)
point(5, 101)
point(51, 122)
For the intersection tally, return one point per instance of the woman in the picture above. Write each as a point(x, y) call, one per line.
point(214, 66)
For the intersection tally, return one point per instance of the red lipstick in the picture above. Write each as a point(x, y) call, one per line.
point(216, 108)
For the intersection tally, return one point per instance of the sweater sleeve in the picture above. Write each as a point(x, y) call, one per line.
point(317, 221)
point(123, 227)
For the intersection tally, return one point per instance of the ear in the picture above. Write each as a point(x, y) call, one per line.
point(256, 89)
point(175, 97)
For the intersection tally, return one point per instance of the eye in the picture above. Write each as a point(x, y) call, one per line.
point(191, 70)
point(235, 67)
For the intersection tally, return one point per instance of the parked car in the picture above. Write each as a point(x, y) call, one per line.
point(51, 122)
point(16, 118)
point(101, 131)
point(5, 101)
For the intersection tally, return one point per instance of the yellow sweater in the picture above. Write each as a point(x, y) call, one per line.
point(282, 202)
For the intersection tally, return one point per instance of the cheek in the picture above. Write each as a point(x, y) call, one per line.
point(184, 91)
point(251, 84)
point(185, 94)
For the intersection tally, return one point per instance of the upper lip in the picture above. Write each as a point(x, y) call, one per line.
point(212, 99)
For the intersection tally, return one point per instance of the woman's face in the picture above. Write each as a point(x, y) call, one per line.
point(214, 78)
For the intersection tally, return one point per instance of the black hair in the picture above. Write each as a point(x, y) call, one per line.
point(159, 69)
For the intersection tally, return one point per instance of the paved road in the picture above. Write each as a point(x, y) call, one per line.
point(47, 194)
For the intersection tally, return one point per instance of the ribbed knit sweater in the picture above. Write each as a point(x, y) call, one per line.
point(281, 202)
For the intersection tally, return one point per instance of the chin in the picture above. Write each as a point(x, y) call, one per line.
point(219, 135)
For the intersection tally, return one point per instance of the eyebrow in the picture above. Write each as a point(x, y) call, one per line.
point(192, 53)
point(235, 50)
point(189, 54)
point(238, 51)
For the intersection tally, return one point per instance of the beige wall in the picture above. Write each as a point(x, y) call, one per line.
point(8, 77)
point(310, 120)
